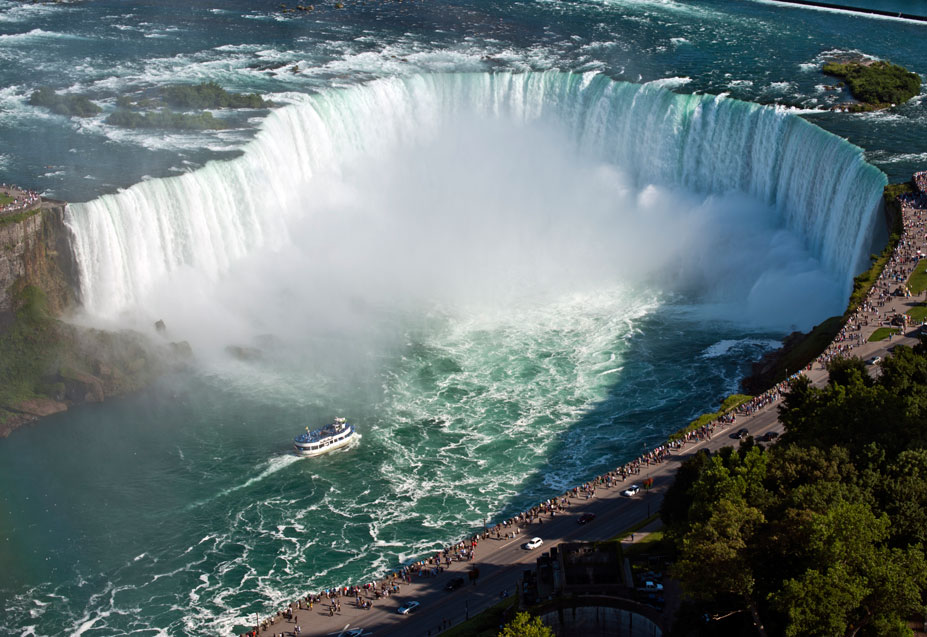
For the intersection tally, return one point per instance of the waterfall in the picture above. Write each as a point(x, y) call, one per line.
point(207, 219)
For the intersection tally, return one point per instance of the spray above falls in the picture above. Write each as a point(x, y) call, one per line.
point(128, 243)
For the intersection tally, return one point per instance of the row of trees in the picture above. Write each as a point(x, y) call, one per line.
point(824, 532)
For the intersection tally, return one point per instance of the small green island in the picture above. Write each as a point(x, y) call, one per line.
point(174, 107)
point(64, 104)
point(875, 84)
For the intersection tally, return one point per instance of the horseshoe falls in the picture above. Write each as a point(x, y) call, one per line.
point(820, 186)
point(508, 282)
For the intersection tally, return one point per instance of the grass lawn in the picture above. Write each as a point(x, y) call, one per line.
point(917, 283)
point(918, 313)
point(486, 624)
point(882, 333)
point(652, 542)
point(730, 403)
point(632, 529)
point(5, 199)
point(19, 216)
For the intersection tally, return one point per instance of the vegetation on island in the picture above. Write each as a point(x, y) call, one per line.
point(64, 104)
point(165, 119)
point(876, 84)
point(209, 95)
point(824, 532)
point(154, 109)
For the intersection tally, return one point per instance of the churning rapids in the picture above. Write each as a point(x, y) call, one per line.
point(509, 282)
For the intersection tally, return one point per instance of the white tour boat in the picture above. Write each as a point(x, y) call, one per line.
point(328, 438)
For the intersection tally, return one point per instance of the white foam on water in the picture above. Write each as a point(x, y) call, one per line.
point(273, 466)
point(671, 82)
point(33, 36)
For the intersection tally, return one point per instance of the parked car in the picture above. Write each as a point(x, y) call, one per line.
point(873, 360)
point(454, 584)
point(586, 518)
point(533, 543)
point(768, 436)
point(631, 491)
point(408, 607)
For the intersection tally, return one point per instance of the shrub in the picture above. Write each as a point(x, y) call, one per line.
point(77, 105)
point(165, 119)
point(209, 95)
point(877, 83)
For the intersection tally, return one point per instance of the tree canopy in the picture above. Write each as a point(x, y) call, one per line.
point(526, 625)
point(824, 532)
point(877, 82)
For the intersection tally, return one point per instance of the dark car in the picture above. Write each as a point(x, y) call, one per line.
point(769, 436)
point(740, 434)
point(454, 584)
point(586, 517)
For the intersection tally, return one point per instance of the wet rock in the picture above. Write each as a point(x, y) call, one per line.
point(244, 353)
point(41, 407)
point(81, 387)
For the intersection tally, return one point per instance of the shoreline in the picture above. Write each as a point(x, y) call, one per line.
point(863, 10)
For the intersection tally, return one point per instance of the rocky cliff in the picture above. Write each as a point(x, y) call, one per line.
point(46, 364)
point(35, 250)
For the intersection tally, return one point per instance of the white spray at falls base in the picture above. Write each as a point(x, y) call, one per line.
point(711, 174)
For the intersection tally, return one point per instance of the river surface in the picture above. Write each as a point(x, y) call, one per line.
point(515, 244)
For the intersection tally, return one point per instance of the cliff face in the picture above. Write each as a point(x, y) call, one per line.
point(48, 365)
point(35, 250)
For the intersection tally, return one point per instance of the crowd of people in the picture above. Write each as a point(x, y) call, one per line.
point(920, 181)
point(877, 308)
point(22, 199)
point(891, 282)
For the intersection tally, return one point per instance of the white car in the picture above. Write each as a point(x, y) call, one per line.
point(632, 490)
point(407, 608)
point(533, 543)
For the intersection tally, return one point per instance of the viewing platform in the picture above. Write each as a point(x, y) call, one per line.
point(15, 200)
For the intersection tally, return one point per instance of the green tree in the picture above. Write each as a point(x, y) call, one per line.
point(853, 580)
point(526, 625)
point(903, 494)
point(846, 371)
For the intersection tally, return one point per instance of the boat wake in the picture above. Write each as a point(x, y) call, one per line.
point(273, 465)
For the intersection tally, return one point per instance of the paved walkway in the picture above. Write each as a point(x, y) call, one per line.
point(501, 561)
